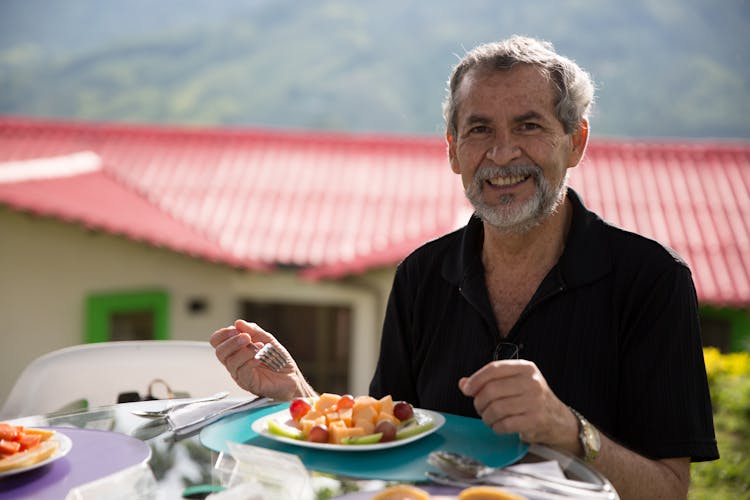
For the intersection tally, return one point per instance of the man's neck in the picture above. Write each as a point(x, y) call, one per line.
point(538, 248)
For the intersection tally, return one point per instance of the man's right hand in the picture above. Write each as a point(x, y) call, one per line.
point(235, 347)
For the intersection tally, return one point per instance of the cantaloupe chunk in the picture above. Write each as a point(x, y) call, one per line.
point(338, 431)
point(327, 402)
point(387, 416)
point(346, 416)
point(366, 424)
point(364, 399)
point(367, 401)
point(312, 415)
point(332, 416)
point(364, 411)
point(386, 404)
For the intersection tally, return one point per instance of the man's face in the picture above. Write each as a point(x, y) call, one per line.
point(510, 149)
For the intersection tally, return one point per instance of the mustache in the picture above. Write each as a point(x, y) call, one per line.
point(488, 172)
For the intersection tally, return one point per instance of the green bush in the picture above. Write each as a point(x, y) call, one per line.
point(728, 477)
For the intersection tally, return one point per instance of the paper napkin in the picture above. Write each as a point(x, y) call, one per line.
point(192, 418)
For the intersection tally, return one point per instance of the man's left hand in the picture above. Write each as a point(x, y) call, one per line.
point(513, 396)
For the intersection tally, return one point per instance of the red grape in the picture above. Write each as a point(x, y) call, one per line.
point(346, 401)
point(388, 429)
point(299, 408)
point(403, 411)
point(318, 434)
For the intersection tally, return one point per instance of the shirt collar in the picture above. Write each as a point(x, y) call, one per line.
point(586, 257)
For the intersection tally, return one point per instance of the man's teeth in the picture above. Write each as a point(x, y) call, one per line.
point(507, 181)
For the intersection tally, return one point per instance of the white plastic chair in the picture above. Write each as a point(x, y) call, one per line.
point(99, 372)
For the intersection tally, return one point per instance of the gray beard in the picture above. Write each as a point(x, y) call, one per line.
point(504, 216)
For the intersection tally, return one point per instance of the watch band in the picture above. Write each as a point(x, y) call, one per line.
point(589, 437)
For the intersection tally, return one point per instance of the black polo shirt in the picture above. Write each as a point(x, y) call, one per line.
point(613, 328)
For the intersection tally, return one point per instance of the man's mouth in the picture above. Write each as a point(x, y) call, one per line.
point(510, 180)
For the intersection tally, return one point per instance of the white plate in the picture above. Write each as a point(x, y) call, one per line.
point(65, 445)
point(423, 416)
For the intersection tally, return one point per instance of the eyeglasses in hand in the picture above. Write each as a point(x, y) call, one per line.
point(505, 350)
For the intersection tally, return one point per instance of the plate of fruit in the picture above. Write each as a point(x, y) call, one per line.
point(23, 448)
point(347, 423)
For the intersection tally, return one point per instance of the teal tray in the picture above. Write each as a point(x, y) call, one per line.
point(407, 463)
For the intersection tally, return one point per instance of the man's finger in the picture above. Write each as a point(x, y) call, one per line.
point(256, 332)
point(221, 335)
point(231, 345)
point(474, 383)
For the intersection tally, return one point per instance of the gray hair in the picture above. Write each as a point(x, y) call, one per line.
point(574, 88)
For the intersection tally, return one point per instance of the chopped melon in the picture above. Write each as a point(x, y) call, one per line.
point(387, 416)
point(366, 424)
point(338, 431)
point(386, 404)
point(327, 402)
point(346, 416)
point(364, 411)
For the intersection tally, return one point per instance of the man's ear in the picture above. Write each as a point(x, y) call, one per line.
point(580, 139)
point(452, 153)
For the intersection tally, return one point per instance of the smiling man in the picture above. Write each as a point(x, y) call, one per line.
point(510, 148)
point(604, 321)
point(537, 316)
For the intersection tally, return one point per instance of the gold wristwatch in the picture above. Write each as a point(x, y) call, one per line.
point(589, 436)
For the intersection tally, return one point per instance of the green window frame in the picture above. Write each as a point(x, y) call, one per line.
point(101, 306)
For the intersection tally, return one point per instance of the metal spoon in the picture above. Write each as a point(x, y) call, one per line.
point(164, 411)
point(528, 488)
point(464, 468)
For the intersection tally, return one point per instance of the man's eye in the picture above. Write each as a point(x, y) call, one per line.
point(529, 126)
point(479, 129)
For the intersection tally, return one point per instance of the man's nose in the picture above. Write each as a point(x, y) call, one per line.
point(503, 151)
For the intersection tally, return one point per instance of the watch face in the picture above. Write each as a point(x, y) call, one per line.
point(589, 437)
point(592, 437)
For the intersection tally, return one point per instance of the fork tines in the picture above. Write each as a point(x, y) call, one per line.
point(271, 357)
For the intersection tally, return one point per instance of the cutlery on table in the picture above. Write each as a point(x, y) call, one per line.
point(164, 411)
point(187, 422)
point(463, 469)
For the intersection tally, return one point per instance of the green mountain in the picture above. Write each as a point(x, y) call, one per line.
point(672, 68)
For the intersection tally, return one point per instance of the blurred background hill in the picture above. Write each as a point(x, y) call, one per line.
point(672, 68)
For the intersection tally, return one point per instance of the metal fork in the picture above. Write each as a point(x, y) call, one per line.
point(272, 358)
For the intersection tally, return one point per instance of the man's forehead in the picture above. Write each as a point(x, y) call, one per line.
point(523, 80)
point(520, 71)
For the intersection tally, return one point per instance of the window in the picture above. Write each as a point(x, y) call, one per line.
point(127, 316)
point(132, 325)
point(318, 337)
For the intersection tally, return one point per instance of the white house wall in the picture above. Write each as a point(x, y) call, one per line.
point(48, 267)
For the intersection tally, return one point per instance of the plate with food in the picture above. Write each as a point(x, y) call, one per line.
point(347, 423)
point(388, 462)
point(24, 448)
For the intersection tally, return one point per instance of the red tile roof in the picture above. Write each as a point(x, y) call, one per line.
point(334, 204)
